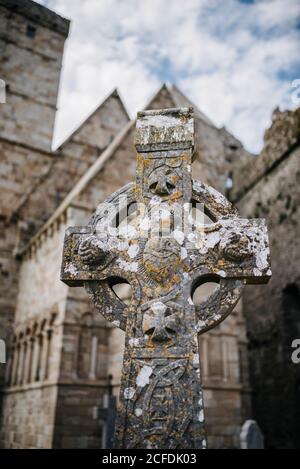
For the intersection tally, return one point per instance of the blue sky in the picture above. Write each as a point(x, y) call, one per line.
point(236, 59)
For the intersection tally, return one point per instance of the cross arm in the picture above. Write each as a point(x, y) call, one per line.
point(74, 270)
point(88, 256)
point(233, 248)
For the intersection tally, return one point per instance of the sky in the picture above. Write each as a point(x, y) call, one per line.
point(235, 59)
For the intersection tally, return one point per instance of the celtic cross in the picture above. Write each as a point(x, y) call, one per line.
point(148, 235)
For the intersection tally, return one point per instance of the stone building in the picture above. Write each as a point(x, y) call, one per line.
point(269, 187)
point(60, 351)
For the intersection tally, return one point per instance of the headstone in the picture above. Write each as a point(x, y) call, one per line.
point(251, 436)
point(164, 254)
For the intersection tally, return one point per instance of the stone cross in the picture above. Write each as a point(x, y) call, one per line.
point(148, 235)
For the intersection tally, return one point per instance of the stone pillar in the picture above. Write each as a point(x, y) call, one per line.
point(28, 366)
point(93, 371)
point(35, 359)
point(204, 357)
point(21, 363)
point(48, 355)
point(225, 359)
point(44, 354)
point(15, 364)
point(25, 360)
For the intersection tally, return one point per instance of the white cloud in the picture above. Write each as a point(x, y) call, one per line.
point(234, 60)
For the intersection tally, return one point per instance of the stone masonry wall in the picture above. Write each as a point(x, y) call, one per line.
point(33, 367)
point(31, 47)
point(272, 312)
point(8, 289)
point(76, 426)
point(279, 139)
point(30, 65)
point(40, 288)
point(28, 418)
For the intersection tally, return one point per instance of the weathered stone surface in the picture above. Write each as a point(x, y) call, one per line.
point(29, 112)
point(39, 14)
point(36, 410)
point(279, 140)
point(161, 362)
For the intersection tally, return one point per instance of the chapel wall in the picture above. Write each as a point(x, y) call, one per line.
point(28, 418)
point(40, 288)
point(29, 396)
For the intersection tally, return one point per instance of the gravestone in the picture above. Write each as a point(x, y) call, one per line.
point(251, 436)
point(164, 252)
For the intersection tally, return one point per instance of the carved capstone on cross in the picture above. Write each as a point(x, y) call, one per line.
point(164, 252)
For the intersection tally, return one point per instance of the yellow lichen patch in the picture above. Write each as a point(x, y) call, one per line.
point(146, 163)
point(176, 195)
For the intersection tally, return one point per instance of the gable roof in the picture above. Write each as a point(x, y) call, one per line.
point(89, 119)
point(70, 162)
point(165, 97)
point(178, 99)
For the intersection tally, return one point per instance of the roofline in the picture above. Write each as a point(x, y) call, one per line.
point(39, 14)
point(87, 177)
point(115, 91)
point(173, 88)
point(81, 184)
